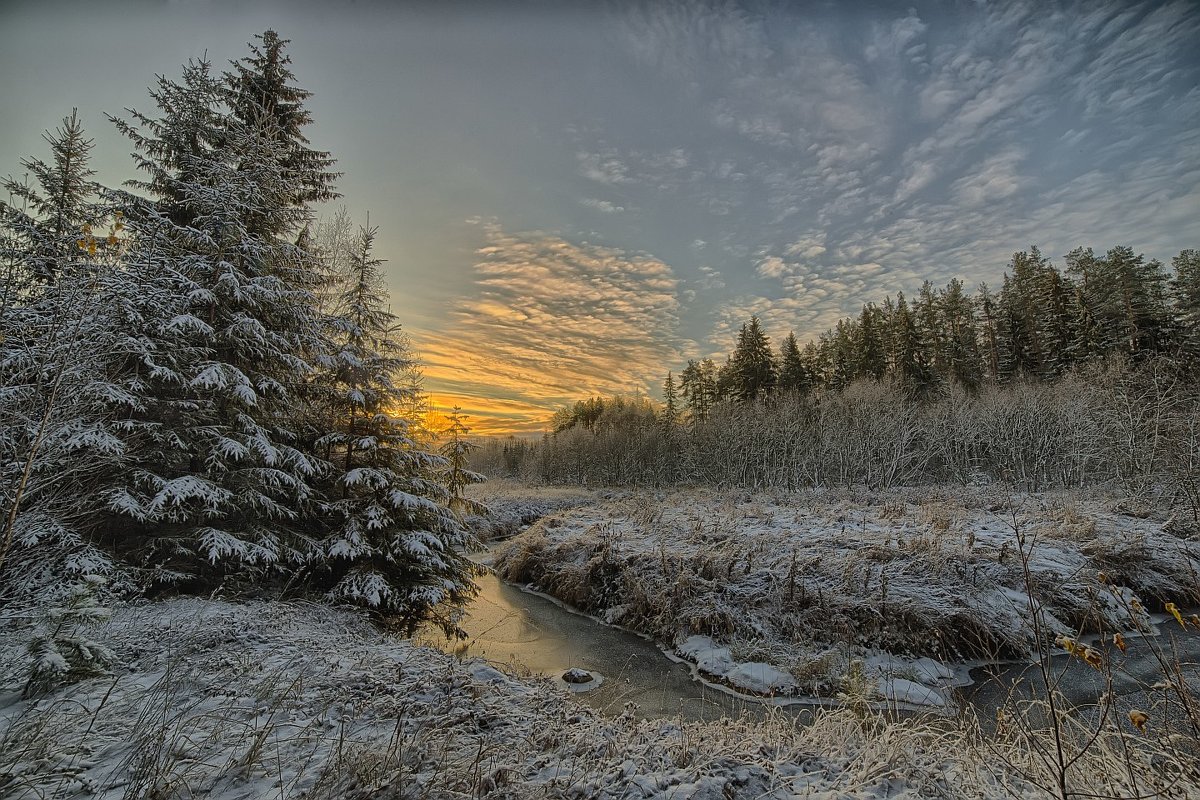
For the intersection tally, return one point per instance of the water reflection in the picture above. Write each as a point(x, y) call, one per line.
point(532, 634)
point(1133, 675)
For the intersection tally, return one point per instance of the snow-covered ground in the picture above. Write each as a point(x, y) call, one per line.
point(512, 506)
point(781, 594)
point(285, 700)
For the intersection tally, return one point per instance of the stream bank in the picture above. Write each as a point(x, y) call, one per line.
point(532, 633)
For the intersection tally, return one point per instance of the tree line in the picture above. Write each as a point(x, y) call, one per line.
point(1041, 324)
point(1132, 427)
point(1060, 379)
point(198, 385)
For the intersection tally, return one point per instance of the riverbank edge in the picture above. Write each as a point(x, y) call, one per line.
point(961, 670)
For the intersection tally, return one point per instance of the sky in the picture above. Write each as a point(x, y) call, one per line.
point(574, 198)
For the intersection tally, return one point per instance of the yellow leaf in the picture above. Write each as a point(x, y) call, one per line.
point(1174, 612)
point(91, 247)
point(1139, 719)
point(1119, 641)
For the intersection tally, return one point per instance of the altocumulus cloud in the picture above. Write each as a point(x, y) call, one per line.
point(548, 320)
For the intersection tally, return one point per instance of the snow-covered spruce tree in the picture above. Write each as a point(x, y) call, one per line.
point(47, 220)
point(456, 474)
point(261, 91)
point(40, 226)
point(222, 482)
point(61, 650)
point(392, 543)
point(70, 341)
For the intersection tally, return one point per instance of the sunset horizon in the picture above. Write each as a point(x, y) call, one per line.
point(573, 201)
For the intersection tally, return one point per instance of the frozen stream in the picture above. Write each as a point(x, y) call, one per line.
point(1135, 670)
point(532, 633)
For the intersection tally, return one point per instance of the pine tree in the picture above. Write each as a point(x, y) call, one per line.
point(391, 541)
point(870, 353)
point(456, 475)
point(927, 315)
point(1130, 303)
point(1055, 321)
point(1185, 297)
point(71, 349)
point(961, 337)
point(61, 650)
point(46, 221)
point(989, 331)
point(261, 92)
point(1085, 340)
point(838, 354)
point(222, 481)
point(909, 364)
point(726, 381)
point(209, 416)
point(752, 365)
point(1021, 345)
point(814, 366)
point(793, 373)
point(670, 412)
point(698, 385)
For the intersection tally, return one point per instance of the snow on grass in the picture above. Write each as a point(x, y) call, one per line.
point(513, 506)
point(910, 581)
point(287, 700)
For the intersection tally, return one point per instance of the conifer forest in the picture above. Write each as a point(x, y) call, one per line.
point(678, 433)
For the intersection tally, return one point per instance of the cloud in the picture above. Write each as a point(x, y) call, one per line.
point(772, 267)
point(808, 247)
point(839, 158)
point(602, 205)
point(662, 170)
point(850, 155)
point(549, 321)
point(710, 279)
point(486, 415)
point(994, 179)
point(1131, 60)
point(778, 316)
point(687, 39)
point(603, 167)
